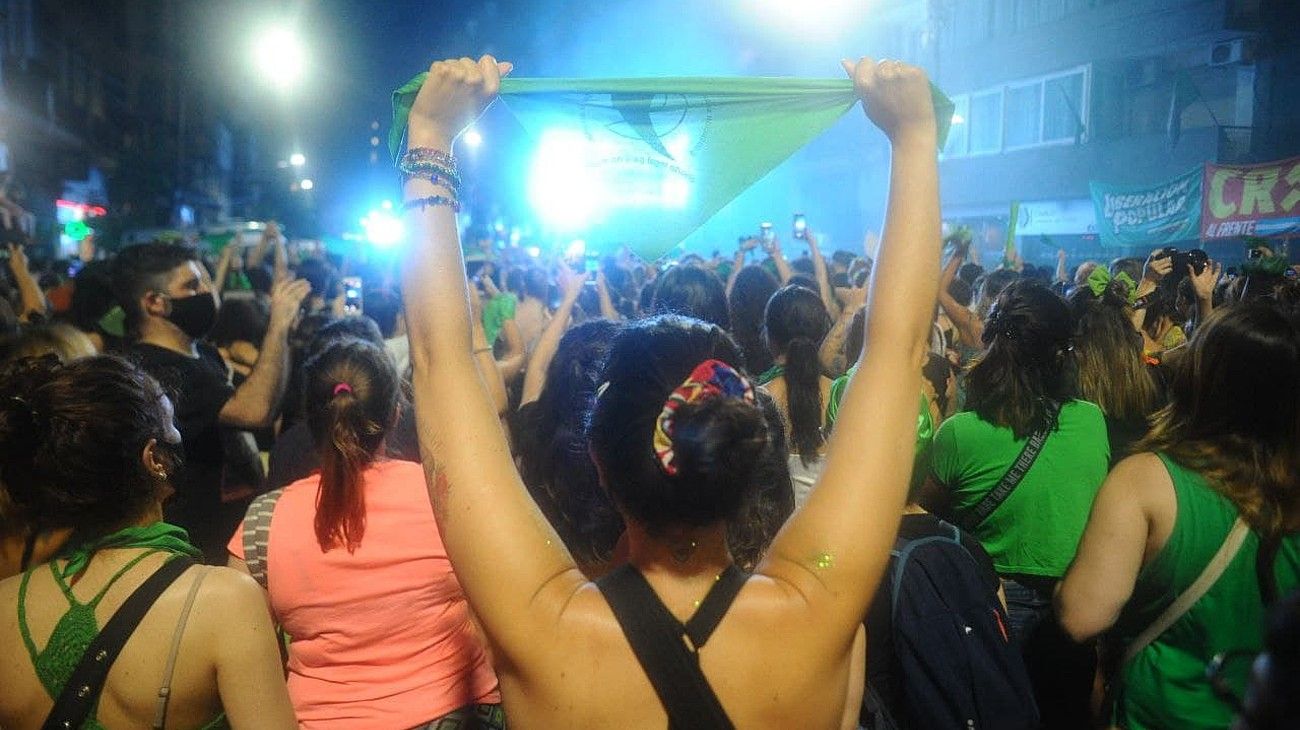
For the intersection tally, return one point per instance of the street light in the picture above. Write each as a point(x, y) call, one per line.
point(297, 159)
point(307, 184)
point(280, 56)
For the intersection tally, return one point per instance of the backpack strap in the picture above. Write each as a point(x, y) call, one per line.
point(1016, 473)
point(659, 642)
point(256, 533)
point(81, 693)
point(1199, 587)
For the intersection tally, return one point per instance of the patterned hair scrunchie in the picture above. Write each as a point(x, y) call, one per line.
point(709, 379)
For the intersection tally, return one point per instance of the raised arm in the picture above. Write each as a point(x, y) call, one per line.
point(29, 289)
point(487, 364)
point(822, 275)
point(834, 550)
point(549, 342)
point(968, 325)
point(256, 402)
point(783, 270)
point(830, 354)
point(738, 262)
point(607, 308)
point(507, 557)
point(516, 354)
point(223, 264)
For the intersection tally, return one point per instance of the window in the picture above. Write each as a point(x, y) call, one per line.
point(959, 132)
point(985, 122)
point(1024, 115)
point(1047, 110)
point(1063, 107)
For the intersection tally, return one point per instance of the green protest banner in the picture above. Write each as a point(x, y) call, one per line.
point(650, 160)
point(1149, 215)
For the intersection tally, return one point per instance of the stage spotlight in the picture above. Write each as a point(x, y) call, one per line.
point(383, 229)
point(562, 188)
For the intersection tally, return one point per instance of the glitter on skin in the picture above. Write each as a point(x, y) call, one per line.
point(823, 561)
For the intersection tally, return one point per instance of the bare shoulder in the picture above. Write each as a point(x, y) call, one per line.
point(227, 593)
point(1140, 474)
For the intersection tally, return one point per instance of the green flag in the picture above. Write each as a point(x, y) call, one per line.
point(1009, 245)
point(648, 161)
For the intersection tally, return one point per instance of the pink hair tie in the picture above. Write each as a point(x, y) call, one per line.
point(342, 388)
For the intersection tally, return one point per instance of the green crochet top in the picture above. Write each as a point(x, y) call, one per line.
point(74, 632)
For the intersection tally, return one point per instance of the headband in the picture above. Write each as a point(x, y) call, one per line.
point(709, 379)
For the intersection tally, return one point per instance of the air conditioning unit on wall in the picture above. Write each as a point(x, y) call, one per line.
point(1228, 53)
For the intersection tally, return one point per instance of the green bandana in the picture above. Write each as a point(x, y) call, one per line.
point(656, 157)
point(158, 536)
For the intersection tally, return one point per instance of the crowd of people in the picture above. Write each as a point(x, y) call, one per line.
point(277, 488)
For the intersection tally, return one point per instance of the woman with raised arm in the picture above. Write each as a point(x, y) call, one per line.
point(676, 435)
point(87, 451)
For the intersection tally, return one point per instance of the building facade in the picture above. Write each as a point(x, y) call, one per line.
point(1053, 94)
point(97, 114)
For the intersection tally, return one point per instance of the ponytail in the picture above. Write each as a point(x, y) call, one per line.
point(804, 397)
point(351, 397)
point(794, 323)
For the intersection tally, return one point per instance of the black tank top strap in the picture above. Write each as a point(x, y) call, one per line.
point(700, 626)
point(667, 649)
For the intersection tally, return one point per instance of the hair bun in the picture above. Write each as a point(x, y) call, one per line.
point(719, 443)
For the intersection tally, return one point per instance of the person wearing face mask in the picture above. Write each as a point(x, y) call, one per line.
point(169, 307)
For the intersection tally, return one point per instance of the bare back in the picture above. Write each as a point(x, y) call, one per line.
point(582, 672)
point(222, 625)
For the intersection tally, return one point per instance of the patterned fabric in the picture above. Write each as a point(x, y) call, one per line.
point(709, 379)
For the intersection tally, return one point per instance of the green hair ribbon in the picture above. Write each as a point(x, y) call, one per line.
point(1100, 279)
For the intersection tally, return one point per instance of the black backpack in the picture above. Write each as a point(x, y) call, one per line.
point(957, 666)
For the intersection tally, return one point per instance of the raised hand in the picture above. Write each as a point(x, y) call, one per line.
point(851, 297)
point(895, 97)
point(570, 282)
point(453, 95)
point(1203, 283)
point(1158, 265)
point(286, 300)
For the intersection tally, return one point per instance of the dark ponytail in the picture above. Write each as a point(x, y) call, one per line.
point(351, 398)
point(795, 322)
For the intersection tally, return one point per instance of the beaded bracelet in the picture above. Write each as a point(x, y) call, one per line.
point(429, 154)
point(436, 175)
point(432, 200)
point(430, 164)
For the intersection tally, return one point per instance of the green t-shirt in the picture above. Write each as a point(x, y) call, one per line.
point(1036, 530)
point(1165, 685)
point(496, 311)
point(924, 422)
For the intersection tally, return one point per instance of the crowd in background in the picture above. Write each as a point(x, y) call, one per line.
point(271, 391)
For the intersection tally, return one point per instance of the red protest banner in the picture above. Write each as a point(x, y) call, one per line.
point(1251, 200)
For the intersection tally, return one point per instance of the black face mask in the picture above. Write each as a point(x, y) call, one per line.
point(194, 314)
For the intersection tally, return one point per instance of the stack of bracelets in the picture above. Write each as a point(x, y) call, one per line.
point(437, 167)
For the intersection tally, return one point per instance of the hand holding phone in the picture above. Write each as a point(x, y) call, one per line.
point(767, 237)
point(800, 226)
